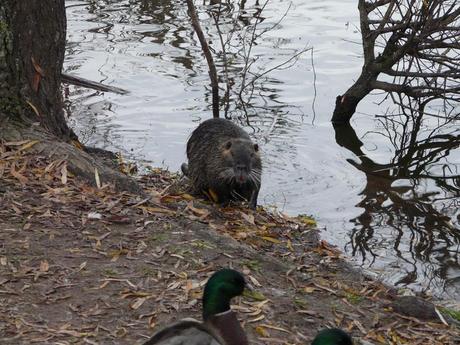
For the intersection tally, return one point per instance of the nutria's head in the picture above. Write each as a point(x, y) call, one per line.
point(241, 162)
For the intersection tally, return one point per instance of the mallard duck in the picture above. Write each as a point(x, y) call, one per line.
point(332, 336)
point(220, 325)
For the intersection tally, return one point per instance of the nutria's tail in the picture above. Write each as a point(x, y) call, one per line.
point(184, 168)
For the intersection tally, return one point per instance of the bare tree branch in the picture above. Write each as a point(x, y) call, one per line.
point(207, 53)
point(415, 43)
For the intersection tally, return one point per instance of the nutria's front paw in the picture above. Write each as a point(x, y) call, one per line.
point(253, 201)
point(184, 168)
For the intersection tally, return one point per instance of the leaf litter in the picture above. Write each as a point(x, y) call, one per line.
point(90, 265)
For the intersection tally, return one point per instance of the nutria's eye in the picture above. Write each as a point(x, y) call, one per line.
point(256, 147)
point(228, 144)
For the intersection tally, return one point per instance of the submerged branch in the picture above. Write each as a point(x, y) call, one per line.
point(207, 53)
point(79, 81)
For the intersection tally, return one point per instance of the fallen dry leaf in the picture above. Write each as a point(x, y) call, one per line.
point(137, 303)
point(97, 178)
point(260, 330)
point(64, 174)
point(44, 266)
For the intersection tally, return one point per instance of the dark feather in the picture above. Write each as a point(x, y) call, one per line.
point(185, 332)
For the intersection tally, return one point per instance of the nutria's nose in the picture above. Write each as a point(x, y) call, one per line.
point(241, 167)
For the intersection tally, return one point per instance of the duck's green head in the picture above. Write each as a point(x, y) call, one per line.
point(332, 336)
point(220, 289)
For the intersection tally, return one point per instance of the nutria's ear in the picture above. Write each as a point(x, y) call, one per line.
point(256, 147)
point(228, 144)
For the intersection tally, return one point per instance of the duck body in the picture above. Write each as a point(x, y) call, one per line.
point(332, 336)
point(220, 326)
point(185, 332)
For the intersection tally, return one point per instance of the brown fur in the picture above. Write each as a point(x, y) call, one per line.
point(222, 158)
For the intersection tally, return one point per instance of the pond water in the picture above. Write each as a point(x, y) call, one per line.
point(401, 227)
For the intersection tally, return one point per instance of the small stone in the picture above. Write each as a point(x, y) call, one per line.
point(94, 216)
point(415, 307)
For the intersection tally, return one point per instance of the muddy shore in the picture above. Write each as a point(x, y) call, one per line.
point(84, 264)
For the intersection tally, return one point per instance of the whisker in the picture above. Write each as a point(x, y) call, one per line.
point(256, 174)
point(254, 178)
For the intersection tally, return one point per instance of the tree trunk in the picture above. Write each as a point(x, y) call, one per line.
point(345, 105)
point(32, 46)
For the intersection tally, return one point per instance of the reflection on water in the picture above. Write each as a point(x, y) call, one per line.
point(387, 194)
point(399, 212)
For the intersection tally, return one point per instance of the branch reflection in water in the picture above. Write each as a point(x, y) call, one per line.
point(410, 204)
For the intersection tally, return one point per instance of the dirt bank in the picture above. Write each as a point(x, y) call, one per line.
point(89, 265)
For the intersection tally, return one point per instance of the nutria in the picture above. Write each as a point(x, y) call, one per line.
point(223, 162)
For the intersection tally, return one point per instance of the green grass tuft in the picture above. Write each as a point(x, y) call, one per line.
point(455, 314)
point(353, 298)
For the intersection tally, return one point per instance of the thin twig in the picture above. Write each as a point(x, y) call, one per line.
point(295, 56)
point(224, 59)
point(207, 53)
point(314, 88)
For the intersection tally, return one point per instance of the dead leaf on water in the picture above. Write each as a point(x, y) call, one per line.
point(306, 220)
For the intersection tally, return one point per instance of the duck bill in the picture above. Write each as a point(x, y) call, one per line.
point(248, 292)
